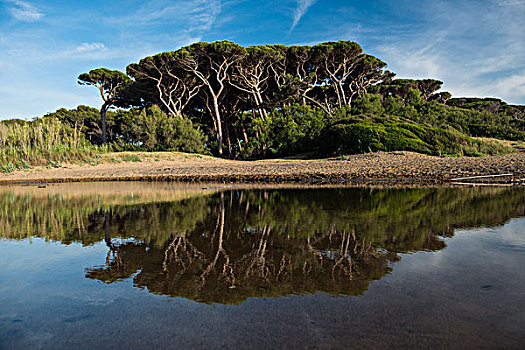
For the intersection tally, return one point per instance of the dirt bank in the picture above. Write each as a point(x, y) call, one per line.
point(393, 167)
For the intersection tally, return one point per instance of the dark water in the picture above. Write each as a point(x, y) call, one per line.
point(173, 266)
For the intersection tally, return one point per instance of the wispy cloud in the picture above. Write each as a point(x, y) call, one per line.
point(512, 86)
point(24, 11)
point(201, 13)
point(512, 3)
point(139, 30)
point(477, 52)
point(88, 47)
point(413, 62)
point(206, 13)
point(168, 24)
point(300, 10)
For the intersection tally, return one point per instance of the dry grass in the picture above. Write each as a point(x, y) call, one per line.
point(515, 145)
point(117, 157)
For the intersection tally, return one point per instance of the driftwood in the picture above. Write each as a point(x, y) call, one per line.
point(479, 177)
point(495, 177)
point(484, 184)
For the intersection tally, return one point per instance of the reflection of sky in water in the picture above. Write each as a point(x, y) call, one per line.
point(508, 238)
point(513, 234)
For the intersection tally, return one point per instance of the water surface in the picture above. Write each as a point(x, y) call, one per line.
point(139, 265)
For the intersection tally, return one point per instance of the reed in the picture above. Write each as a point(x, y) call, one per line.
point(42, 142)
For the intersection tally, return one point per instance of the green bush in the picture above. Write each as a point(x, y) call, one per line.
point(363, 134)
point(390, 119)
point(87, 121)
point(8, 168)
point(153, 130)
point(131, 158)
point(291, 130)
point(473, 117)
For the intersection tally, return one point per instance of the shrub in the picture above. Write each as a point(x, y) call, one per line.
point(291, 130)
point(131, 158)
point(359, 135)
point(153, 130)
point(8, 168)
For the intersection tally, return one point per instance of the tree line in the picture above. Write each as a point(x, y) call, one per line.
point(216, 82)
point(275, 100)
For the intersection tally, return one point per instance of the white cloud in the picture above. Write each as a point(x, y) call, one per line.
point(206, 12)
point(512, 3)
point(88, 47)
point(413, 61)
point(196, 14)
point(300, 10)
point(188, 21)
point(476, 52)
point(24, 11)
point(512, 86)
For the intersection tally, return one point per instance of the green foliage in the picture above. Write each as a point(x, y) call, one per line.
point(110, 84)
point(131, 158)
point(153, 130)
point(8, 168)
point(360, 134)
point(291, 130)
point(275, 100)
point(477, 121)
point(87, 120)
point(403, 88)
point(106, 78)
point(39, 142)
point(374, 123)
point(220, 80)
point(368, 104)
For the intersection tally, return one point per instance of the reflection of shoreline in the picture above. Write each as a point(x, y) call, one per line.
point(156, 212)
point(161, 188)
point(112, 193)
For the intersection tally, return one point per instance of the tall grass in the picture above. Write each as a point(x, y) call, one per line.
point(41, 142)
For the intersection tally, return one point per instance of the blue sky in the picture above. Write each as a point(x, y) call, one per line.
point(476, 47)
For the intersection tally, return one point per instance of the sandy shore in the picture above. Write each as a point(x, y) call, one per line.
point(393, 167)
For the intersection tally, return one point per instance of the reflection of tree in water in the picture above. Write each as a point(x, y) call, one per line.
point(272, 243)
point(234, 262)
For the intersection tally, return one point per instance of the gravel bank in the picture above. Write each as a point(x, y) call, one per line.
point(393, 167)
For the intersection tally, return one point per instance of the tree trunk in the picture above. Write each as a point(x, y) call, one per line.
point(239, 144)
point(320, 105)
point(259, 102)
point(103, 111)
point(228, 140)
point(107, 236)
point(244, 134)
point(219, 124)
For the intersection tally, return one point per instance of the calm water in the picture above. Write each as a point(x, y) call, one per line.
point(135, 265)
